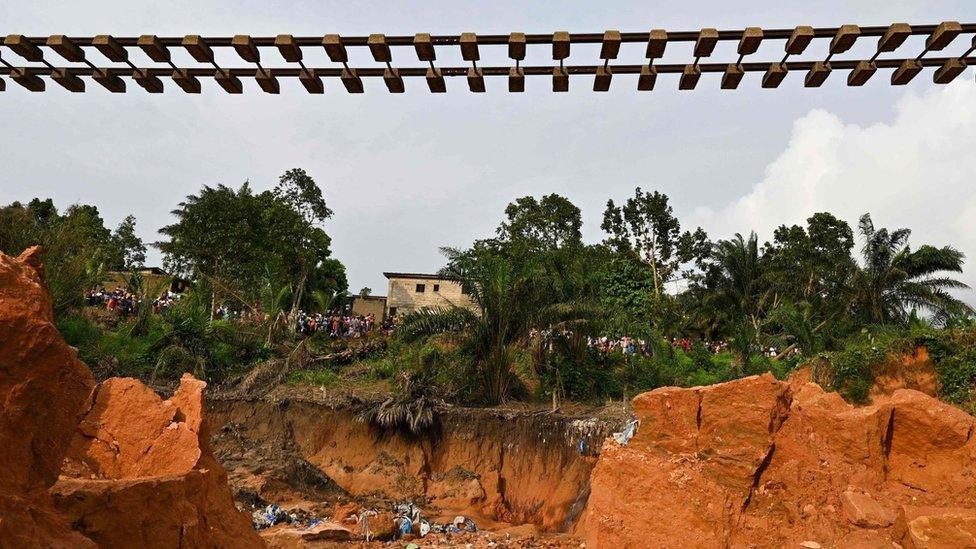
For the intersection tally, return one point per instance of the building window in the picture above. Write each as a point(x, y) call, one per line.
point(421, 288)
point(393, 311)
point(437, 287)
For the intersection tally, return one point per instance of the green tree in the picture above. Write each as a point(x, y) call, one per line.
point(220, 236)
point(297, 189)
point(132, 249)
point(76, 246)
point(547, 224)
point(511, 298)
point(739, 292)
point(808, 270)
point(811, 264)
point(327, 286)
point(20, 228)
point(895, 280)
point(646, 226)
point(626, 287)
point(241, 242)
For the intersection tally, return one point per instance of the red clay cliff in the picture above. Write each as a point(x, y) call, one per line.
point(763, 463)
point(125, 467)
point(44, 389)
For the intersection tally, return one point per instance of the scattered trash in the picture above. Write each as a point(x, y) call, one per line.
point(403, 526)
point(363, 521)
point(259, 520)
point(412, 545)
point(623, 437)
point(462, 524)
point(271, 515)
point(407, 517)
point(407, 509)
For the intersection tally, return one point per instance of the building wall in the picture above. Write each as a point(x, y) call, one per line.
point(403, 297)
point(119, 279)
point(373, 304)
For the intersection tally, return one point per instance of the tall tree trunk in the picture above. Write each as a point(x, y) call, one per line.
point(296, 302)
point(653, 254)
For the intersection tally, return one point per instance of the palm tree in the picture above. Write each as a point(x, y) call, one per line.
point(894, 280)
point(511, 299)
point(188, 339)
point(740, 290)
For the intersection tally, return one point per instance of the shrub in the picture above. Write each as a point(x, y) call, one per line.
point(957, 375)
point(78, 331)
point(853, 373)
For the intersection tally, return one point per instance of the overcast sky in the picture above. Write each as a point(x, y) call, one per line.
point(407, 174)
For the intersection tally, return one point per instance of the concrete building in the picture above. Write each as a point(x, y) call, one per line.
point(152, 277)
point(409, 292)
point(375, 304)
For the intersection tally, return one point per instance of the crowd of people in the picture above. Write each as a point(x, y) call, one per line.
point(714, 347)
point(343, 324)
point(336, 324)
point(635, 346)
point(340, 325)
point(253, 314)
point(124, 302)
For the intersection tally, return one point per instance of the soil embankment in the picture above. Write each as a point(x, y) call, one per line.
point(109, 465)
point(500, 468)
point(763, 463)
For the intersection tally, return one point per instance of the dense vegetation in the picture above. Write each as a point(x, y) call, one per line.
point(847, 302)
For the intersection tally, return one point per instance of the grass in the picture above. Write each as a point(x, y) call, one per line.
point(321, 378)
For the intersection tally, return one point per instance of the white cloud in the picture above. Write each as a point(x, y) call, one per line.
point(917, 171)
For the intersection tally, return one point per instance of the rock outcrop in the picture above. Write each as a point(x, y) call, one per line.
point(759, 462)
point(125, 467)
point(43, 390)
point(137, 456)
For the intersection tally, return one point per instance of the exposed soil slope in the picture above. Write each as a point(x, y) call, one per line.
point(137, 456)
point(751, 463)
point(135, 470)
point(507, 468)
point(759, 463)
point(43, 392)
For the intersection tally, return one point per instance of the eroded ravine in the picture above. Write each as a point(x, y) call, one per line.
point(502, 468)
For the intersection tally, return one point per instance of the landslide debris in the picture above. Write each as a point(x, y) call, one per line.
point(43, 390)
point(760, 462)
point(137, 456)
point(113, 465)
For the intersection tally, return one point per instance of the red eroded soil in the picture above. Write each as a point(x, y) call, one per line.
point(112, 465)
point(762, 463)
point(43, 390)
point(137, 456)
point(501, 469)
point(914, 371)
